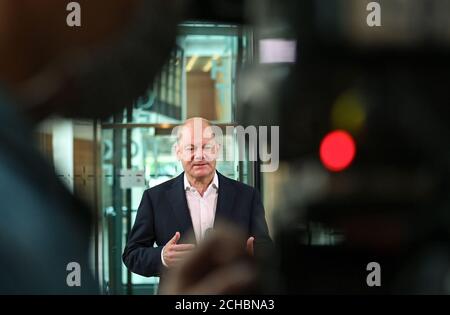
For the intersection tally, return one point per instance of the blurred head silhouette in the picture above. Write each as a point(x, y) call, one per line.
point(86, 71)
point(50, 68)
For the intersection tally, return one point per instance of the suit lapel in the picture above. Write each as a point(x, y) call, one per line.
point(225, 200)
point(177, 199)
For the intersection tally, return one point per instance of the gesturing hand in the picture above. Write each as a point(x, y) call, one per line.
point(173, 253)
point(219, 265)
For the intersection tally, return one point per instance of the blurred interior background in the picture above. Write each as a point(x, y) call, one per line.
point(310, 67)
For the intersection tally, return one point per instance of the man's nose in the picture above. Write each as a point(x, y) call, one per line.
point(198, 154)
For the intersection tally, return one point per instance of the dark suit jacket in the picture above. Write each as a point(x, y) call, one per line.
point(164, 211)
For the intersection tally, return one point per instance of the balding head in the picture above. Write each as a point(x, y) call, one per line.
point(192, 124)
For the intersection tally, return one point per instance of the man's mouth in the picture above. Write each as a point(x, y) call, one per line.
point(200, 164)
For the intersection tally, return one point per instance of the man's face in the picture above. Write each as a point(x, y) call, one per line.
point(197, 150)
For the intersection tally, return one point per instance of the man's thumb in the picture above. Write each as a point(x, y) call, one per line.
point(250, 245)
point(175, 238)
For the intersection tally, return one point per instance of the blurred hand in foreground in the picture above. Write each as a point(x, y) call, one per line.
point(220, 265)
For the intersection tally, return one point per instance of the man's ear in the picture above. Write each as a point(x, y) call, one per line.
point(177, 151)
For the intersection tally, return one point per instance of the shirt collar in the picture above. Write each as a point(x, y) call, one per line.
point(214, 184)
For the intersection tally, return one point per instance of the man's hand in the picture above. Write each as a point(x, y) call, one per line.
point(173, 253)
point(250, 243)
point(220, 265)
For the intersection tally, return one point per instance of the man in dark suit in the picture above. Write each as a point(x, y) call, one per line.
point(172, 214)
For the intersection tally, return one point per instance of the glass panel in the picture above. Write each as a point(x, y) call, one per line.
point(198, 79)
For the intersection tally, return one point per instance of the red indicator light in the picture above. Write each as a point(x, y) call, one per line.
point(337, 150)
